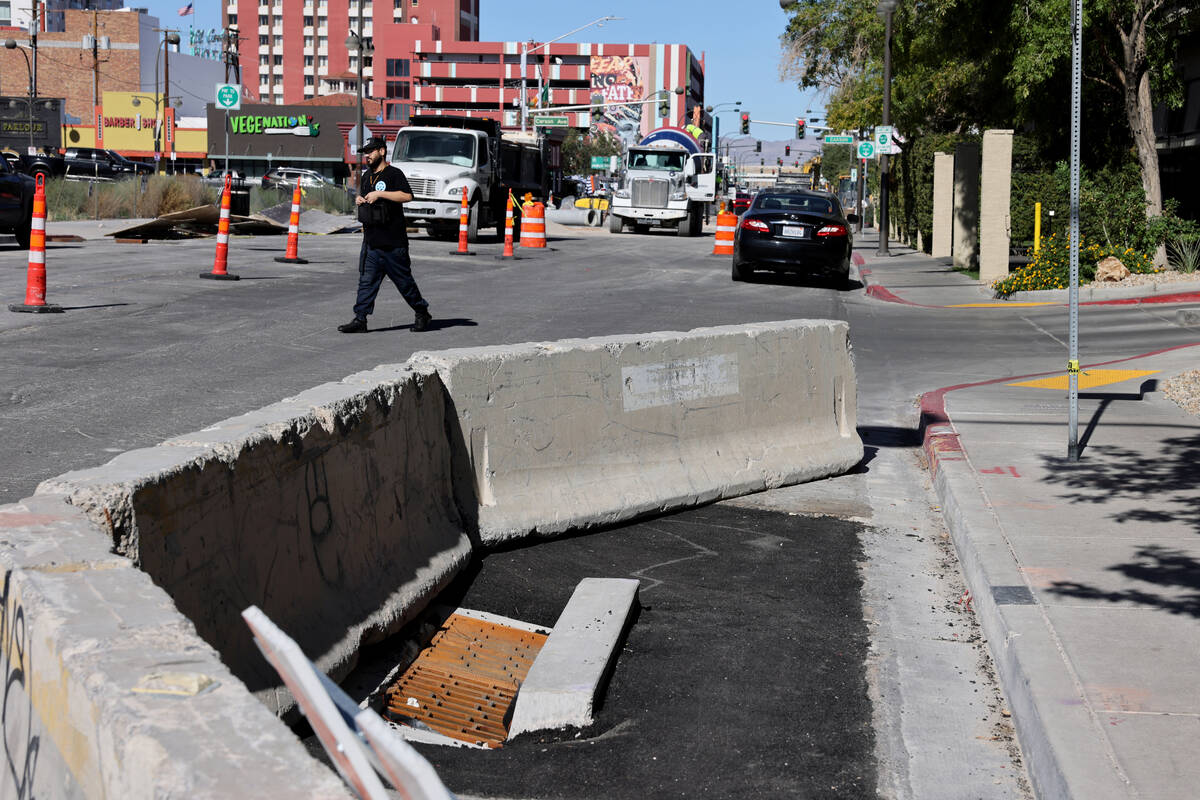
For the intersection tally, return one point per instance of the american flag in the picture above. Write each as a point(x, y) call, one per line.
point(186, 10)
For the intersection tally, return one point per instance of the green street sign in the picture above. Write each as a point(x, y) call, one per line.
point(599, 162)
point(229, 96)
point(550, 122)
point(838, 139)
point(866, 150)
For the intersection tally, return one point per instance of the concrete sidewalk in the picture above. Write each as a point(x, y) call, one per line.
point(1085, 575)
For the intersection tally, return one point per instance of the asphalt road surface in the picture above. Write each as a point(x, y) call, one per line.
point(835, 663)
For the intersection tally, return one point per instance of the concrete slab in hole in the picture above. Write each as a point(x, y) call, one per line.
point(565, 679)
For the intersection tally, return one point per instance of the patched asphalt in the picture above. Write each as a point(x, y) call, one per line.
point(742, 676)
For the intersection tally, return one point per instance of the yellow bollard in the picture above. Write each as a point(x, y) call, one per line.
point(1037, 228)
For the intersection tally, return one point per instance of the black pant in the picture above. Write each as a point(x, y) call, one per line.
point(373, 265)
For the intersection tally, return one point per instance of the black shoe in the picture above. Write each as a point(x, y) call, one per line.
point(357, 326)
point(421, 323)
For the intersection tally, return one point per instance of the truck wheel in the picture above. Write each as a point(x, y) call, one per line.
point(473, 221)
point(685, 224)
point(615, 224)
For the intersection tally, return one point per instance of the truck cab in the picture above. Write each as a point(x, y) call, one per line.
point(665, 182)
point(445, 158)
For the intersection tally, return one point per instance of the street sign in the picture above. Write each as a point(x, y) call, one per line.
point(883, 138)
point(866, 150)
point(599, 162)
point(354, 137)
point(550, 122)
point(830, 139)
point(229, 96)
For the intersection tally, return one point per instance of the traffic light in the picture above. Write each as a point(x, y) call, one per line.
point(800, 129)
point(745, 123)
point(757, 146)
point(787, 149)
point(779, 162)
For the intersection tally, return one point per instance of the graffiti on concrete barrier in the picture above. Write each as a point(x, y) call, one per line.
point(17, 715)
point(320, 523)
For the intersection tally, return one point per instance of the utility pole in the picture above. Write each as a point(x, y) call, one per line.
point(33, 44)
point(95, 59)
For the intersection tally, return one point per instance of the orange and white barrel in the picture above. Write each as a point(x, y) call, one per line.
point(726, 227)
point(533, 225)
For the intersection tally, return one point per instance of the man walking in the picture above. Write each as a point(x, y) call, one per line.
point(382, 189)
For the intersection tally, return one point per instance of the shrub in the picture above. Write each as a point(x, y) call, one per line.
point(1050, 268)
point(1183, 253)
point(163, 194)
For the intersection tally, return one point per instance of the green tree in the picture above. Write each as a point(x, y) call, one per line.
point(578, 149)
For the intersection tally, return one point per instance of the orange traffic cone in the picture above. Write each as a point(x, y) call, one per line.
point(508, 232)
point(464, 216)
point(220, 262)
point(293, 246)
point(35, 276)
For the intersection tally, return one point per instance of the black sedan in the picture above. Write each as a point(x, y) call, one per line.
point(795, 231)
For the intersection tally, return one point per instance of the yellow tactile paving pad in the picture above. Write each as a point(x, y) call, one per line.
point(1088, 378)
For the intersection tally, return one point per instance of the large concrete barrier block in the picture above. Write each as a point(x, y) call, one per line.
point(109, 692)
point(332, 511)
point(576, 433)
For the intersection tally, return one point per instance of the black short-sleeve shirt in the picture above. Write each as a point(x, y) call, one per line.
point(395, 232)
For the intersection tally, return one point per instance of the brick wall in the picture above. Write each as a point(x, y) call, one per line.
point(67, 71)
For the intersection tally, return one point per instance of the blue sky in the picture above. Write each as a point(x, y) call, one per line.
point(740, 43)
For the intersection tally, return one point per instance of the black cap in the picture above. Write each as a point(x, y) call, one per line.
point(374, 143)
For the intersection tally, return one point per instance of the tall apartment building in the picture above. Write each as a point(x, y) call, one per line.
point(295, 50)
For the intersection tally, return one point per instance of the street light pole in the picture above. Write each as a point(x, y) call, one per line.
point(886, 7)
point(11, 44)
point(526, 50)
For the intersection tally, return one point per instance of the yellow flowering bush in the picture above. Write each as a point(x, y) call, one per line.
point(1050, 268)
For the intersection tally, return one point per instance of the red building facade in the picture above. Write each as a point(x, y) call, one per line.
point(428, 59)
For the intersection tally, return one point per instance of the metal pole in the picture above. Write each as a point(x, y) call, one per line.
point(361, 133)
point(887, 120)
point(858, 188)
point(1073, 291)
point(166, 98)
point(524, 61)
point(226, 141)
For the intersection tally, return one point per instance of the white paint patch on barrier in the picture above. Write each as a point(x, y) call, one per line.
point(681, 381)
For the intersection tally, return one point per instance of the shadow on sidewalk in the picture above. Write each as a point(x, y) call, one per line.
point(1163, 478)
point(1156, 565)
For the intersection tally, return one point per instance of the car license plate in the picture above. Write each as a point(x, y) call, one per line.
point(794, 231)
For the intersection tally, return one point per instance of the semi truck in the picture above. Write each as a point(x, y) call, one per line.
point(665, 181)
point(445, 157)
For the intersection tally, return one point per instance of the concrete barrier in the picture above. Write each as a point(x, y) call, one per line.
point(109, 692)
point(331, 511)
point(342, 512)
point(587, 432)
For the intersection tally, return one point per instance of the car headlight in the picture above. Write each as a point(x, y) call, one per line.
point(622, 193)
point(679, 195)
point(455, 190)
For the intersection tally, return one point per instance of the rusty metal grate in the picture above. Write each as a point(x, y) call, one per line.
point(463, 684)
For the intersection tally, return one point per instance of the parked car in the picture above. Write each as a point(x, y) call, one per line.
point(16, 203)
point(286, 178)
point(95, 163)
point(795, 231)
point(46, 163)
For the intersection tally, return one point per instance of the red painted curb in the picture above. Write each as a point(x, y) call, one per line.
point(937, 431)
point(1181, 297)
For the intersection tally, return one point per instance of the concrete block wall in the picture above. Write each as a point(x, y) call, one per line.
point(965, 215)
point(342, 512)
point(995, 202)
point(943, 204)
point(593, 431)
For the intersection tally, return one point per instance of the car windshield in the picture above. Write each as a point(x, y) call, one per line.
point(672, 162)
point(794, 202)
point(442, 147)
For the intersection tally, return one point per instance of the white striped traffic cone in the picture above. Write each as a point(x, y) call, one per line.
point(293, 245)
point(35, 276)
point(221, 261)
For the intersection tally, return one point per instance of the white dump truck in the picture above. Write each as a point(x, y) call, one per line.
point(665, 182)
point(445, 157)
